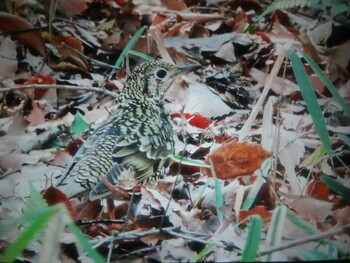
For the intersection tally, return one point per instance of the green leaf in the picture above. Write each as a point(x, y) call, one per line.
point(337, 187)
point(16, 248)
point(80, 124)
point(310, 99)
point(314, 158)
point(189, 161)
point(327, 82)
point(96, 257)
point(251, 247)
point(128, 47)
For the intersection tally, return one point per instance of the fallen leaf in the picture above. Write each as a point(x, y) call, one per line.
point(40, 79)
point(318, 189)
point(260, 210)
point(8, 63)
point(311, 209)
point(10, 24)
point(54, 196)
point(68, 7)
point(234, 159)
point(36, 116)
point(196, 120)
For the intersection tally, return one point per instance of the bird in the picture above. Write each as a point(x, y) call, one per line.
point(133, 146)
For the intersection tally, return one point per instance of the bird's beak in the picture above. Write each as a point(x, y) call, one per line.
point(189, 67)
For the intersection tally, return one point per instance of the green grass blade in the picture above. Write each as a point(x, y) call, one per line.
point(128, 47)
point(189, 161)
point(310, 230)
point(203, 252)
point(310, 99)
point(274, 235)
point(254, 190)
point(91, 252)
point(16, 248)
point(141, 55)
point(327, 82)
point(337, 187)
point(344, 138)
point(251, 247)
point(201, 192)
point(219, 200)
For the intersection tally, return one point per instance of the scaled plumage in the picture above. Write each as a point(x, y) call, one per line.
point(134, 144)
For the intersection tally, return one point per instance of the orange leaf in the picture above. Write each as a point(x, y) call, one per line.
point(234, 159)
point(10, 24)
point(258, 210)
point(178, 5)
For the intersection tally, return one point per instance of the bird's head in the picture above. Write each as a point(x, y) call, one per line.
point(153, 79)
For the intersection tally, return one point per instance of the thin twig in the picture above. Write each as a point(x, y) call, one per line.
point(301, 241)
point(129, 235)
point(307, 239)
point(97, 221)
point(64, 87)
point(97, 62)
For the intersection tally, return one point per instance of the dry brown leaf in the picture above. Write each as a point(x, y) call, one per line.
point(54, 196)
point(312, 210)
point(178, 5)
point(10, 24)
point(176, 250)
point(36, 116)
point(68, 7)
point(341, 216)
point(234, 159)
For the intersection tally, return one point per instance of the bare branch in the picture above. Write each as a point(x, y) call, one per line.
point(65, 87)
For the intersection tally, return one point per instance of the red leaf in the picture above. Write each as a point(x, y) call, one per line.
point(39, 79)
point(258, 210)
point(196, 120)
point(54, 196)
point(318, 189)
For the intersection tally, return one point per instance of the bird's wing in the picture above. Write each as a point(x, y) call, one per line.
point(137, 158)
point(90, 143)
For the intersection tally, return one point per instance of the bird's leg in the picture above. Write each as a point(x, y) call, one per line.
point(129, 210)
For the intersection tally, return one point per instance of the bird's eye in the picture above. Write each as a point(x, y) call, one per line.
point(161, 73)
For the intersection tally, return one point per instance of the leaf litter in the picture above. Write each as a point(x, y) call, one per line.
point(208, 110)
